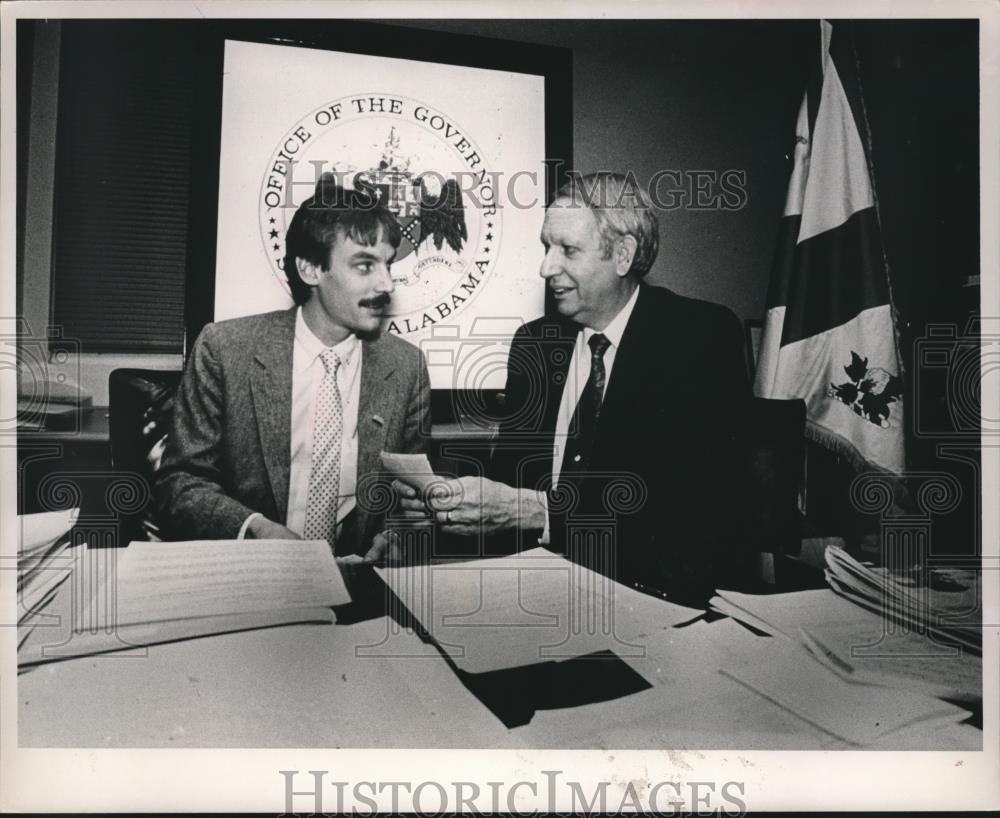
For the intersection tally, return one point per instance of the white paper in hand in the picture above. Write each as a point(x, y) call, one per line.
point(413, 469)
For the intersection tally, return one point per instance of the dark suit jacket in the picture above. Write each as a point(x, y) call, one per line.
point(663, 477)
point(228, 451)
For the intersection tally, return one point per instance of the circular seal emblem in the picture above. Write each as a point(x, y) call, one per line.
point(429, 172)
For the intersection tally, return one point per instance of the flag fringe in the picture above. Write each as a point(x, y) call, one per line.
point(844, 449)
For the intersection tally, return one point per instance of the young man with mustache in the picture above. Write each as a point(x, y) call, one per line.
point(280, 418)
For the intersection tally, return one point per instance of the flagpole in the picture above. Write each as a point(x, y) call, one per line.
point(869, 158)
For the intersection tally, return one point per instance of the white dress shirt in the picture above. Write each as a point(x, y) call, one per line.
point(307, 374)
point(579, 372)
point(576, 379)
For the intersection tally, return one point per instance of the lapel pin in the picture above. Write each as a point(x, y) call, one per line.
point(378, 419)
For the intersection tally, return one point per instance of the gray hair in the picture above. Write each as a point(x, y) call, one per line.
point(621, 208)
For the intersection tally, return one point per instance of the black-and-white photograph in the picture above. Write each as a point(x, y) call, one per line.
point(431, 386)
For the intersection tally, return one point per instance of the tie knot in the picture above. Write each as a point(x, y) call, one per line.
point(330, 359)
point(599, 344)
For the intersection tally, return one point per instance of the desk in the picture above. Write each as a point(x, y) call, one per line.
point(306, 686)
point(296, 686)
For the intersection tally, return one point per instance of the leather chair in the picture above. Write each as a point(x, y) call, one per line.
point(140, 404)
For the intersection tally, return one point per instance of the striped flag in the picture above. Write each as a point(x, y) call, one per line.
point(829, 336)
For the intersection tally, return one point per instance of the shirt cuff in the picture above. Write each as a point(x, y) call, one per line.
point(543, 498)
point(246, 524)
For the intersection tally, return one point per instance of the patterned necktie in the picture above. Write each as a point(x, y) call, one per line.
point(588, 409)
point(324, 478)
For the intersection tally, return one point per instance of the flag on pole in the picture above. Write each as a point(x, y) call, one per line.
point(829, 335)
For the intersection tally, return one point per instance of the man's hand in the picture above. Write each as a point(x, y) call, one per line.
point(409, 501)
point(261, 528)
point(385, 548)
point(473, 505)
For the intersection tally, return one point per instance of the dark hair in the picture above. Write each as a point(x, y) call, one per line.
point(331, 213)
point(621, 208)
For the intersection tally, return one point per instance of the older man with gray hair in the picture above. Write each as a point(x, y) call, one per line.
point(620, 443)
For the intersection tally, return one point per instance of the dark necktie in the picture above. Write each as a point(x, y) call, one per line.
point(588, 410)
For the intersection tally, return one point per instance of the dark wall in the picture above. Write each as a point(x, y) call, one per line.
point(921, 88)
point(717, 95)
point(656, 95)
point(920, 80)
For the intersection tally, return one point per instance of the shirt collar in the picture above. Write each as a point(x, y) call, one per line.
point(312, 347)
point(616, 329)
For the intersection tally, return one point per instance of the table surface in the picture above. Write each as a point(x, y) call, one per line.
point(377, 684)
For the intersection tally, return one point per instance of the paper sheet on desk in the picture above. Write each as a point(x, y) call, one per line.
point(43, 538)
point(181, 580)
point(38, 595)
point(532, 607)
point(160, 592)
point(34, 595)
point(44, 561)
point(41, 646)
point(858, 713)
point(691, 704)
point(859, 640)
point(777, 670)
point(719, 686)
point(40, 531)
point(909, 596)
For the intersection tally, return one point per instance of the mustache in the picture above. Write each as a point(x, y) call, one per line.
point(381, 300)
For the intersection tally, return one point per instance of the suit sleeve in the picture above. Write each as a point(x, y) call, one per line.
point(503, 460)
point(189, 484)
point(520, 445)
point(522, 450)
point(417, 423)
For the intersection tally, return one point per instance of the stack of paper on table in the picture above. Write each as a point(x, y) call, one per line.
point(719, 686)
point(43, 563)
point(536, 606)
point(158, 592)
point(858, 713)
point(856, 643)
point(952, 616)
point(510, 612)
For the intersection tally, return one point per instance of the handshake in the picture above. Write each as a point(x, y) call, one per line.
point(463, 506)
